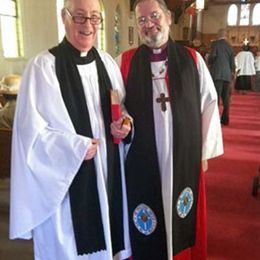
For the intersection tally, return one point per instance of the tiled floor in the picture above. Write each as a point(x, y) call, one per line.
point(10, 249)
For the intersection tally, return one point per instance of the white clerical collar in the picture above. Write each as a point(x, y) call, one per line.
point(160, 50)
point(157, 51)
point(83, 54)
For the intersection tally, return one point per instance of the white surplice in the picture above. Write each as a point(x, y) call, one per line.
point(212, 143)
point(46, 155)
point(245, 63)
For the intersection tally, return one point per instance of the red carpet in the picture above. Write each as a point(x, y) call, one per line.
point(233, 213)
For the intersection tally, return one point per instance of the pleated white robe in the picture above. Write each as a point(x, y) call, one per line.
point(46, 155)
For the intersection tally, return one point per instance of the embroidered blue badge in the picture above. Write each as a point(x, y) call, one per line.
point(144, 219)
point(184, 202)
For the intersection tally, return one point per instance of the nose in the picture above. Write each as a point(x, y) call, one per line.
point(87, 22)
point(148, 23)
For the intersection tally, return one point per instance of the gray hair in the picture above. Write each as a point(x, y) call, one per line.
point(161, 3)
point(67, 2)
point(222, 33)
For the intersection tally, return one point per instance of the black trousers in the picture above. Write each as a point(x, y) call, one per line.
point(224, 91)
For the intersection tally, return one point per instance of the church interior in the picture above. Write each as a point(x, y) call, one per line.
point(28, 27)
point(39, 27)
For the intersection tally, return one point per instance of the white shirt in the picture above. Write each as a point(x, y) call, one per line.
point(244, 61)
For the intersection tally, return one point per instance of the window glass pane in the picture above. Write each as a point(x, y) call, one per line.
point(9, 36)
point(244, 14)
point(7, 7)
point(256, 15)
point(11, 30)
point(117, 22)
point(232, 15)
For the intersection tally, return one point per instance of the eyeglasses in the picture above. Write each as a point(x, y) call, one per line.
point(80, 19)
point(153, 17)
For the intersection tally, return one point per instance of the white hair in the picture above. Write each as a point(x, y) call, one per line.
point(67, 2)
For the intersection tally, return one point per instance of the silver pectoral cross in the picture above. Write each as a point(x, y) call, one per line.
point(162, 99)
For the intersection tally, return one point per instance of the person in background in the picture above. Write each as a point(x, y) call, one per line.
point(245, 69)
point(9, 89)
point(173, 102)
point(222, 68)
point(67, 179)
point(199, 47)
point(257, 69)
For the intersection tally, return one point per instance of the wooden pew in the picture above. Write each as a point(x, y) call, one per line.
point(5, 152)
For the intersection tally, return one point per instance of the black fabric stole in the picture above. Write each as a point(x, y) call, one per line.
point(142, 168)
point(84, 198)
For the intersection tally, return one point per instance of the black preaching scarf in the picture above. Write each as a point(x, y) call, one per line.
point(84, 199)
point(142, 168)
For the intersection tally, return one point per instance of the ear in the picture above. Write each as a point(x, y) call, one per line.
point(63, 14)
point(169, 17)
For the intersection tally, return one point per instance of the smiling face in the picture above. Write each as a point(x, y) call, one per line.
point(81, 36)
point(153, 23)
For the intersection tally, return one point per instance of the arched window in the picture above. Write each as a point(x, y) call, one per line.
point(244, 14)
point(11, 29)
point(232, 15)
point(256, 15)
point(117, 20)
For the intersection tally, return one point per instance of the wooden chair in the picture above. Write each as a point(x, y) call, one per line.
point(5, 152)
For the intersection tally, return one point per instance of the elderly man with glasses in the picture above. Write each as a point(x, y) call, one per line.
point(173, 102)
point(67, 179)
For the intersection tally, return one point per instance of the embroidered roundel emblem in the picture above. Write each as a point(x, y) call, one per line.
point(144, 219)
point(184, 202)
